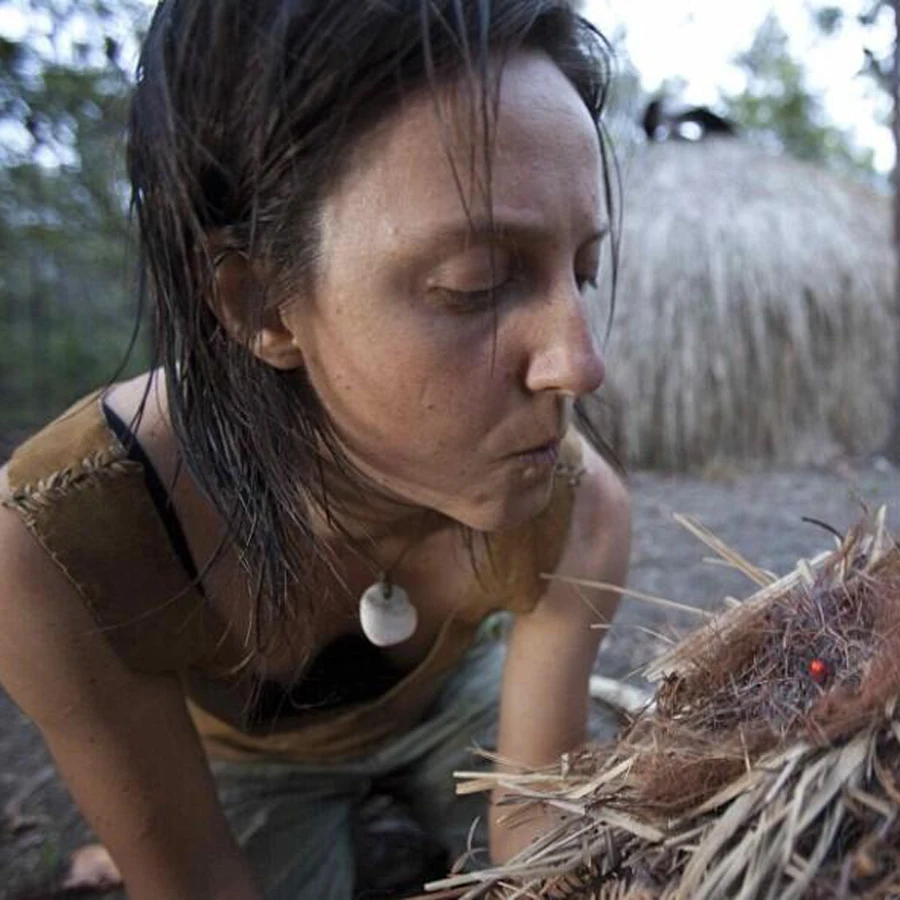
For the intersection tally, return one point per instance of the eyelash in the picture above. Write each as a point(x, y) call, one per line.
point(477, 301)
point(472, 301)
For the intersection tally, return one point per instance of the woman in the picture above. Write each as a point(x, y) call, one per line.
point(242, 589)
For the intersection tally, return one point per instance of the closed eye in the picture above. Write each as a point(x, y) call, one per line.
point(471, 301)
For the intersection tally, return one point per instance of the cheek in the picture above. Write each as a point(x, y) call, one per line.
point(401, 373)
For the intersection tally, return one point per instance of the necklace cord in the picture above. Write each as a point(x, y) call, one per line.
point(386, 578)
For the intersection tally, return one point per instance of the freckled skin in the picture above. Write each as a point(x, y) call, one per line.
point(431, 401)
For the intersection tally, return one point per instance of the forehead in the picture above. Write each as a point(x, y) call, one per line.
point(427, 166)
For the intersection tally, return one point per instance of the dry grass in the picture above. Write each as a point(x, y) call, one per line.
point(769, 766)
point(754, 317)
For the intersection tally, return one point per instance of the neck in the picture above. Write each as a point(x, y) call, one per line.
point(372, 521)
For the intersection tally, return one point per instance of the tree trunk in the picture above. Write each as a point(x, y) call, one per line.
point(892, 448)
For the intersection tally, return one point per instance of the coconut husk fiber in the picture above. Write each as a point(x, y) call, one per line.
point(768, 765)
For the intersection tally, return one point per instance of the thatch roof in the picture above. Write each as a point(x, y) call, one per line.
point(754, 312)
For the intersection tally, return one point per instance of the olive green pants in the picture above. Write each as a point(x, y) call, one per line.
point(296, 822)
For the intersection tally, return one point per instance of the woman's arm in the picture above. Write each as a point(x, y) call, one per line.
point(123, 741)
point(544, 698)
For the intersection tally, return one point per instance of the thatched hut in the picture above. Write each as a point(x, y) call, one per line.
point(754, 315)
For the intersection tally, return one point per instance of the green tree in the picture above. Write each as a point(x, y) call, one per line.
point(67, 304)
point(778, 109)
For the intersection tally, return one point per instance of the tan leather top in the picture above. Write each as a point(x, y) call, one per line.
point(87, 504)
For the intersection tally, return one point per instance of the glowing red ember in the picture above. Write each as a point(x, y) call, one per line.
point(818, 670)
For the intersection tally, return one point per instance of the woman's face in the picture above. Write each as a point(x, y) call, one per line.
point(447, 399)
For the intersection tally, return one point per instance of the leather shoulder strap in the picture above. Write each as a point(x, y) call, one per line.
point(88, 506)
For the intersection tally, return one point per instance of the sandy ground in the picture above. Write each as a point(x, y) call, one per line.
point(759, 514)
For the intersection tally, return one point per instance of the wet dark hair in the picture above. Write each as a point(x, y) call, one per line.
point(243, 116)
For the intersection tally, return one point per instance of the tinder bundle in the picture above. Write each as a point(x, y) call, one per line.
point(768, 765)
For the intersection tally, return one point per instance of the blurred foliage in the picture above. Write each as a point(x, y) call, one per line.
point(779, 110)
point(67, 303)
point(877, 66)
point(830, 19)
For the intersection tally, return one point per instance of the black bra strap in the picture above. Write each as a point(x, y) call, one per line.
point(158, 493)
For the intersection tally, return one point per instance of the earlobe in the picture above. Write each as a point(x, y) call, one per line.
point(239, 307)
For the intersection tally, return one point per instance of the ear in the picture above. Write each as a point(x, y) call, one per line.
point(237, 288)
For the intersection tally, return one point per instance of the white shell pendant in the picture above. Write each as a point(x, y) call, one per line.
point(387, 619)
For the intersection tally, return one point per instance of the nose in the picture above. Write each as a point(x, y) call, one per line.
point(564, 356)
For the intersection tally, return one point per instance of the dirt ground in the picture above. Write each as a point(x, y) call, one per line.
point(757, 513)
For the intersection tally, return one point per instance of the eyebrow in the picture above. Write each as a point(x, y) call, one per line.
point(482, 230)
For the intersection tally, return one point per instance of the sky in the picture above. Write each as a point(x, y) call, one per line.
point(697, 39)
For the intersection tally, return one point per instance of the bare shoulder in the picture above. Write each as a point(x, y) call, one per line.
point(601, 517)
point(45, 630)
point(54, 660)
point(597, 548)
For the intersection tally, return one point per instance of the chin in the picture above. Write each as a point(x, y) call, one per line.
point(514, 509)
